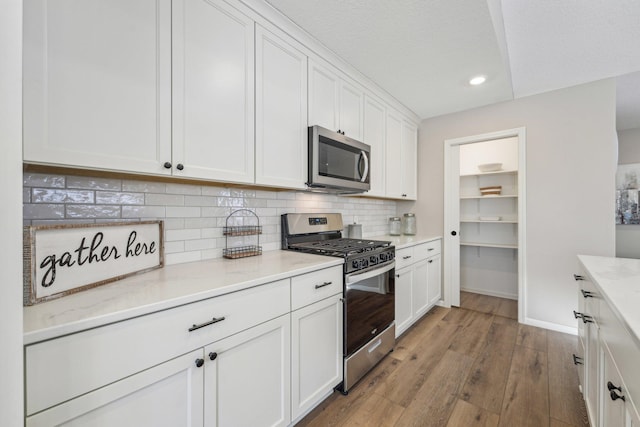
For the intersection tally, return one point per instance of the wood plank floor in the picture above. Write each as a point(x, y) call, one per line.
point(462, 367)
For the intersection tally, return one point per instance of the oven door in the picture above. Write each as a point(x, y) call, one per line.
point(370, 305)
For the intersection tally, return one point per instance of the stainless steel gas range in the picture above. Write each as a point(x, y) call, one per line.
point(369, 287)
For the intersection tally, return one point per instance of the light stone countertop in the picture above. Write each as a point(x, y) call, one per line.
point(404, 241)
point(163, 288)
point(618, 280)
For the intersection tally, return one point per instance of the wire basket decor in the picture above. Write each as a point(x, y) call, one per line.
point(231, 231)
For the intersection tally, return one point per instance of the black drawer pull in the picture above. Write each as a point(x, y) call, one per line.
point(586, 294)
point(430, 249)
point(587, 319)
point(323, 285)
point(611, 386)
point(430, 261)
point(199, 363)
point(578, 277)
point(577, 315)
point(213, 355)
point(577, 360)
point(616, 396)
point(406, 257)
point(202, 325)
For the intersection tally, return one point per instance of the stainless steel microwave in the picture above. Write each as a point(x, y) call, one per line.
point(337, 163)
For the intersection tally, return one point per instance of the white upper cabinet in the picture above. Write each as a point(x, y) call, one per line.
point(213, 91)
point(281, 112)
point(335, 103)
point(401, 166)
point(374, 136)
point(97, 84)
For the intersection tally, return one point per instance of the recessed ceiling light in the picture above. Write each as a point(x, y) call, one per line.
point(477, 80)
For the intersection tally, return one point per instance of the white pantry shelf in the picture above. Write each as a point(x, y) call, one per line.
point(503, 221)
point(502, 172)
point(492, 196)
point(489, 245)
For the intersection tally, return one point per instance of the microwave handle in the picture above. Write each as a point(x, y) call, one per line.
point(366, 166)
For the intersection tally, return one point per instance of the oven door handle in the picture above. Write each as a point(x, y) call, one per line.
point(357, 277)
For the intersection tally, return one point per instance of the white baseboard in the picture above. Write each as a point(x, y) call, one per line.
point(551, 326)
point(491, 293)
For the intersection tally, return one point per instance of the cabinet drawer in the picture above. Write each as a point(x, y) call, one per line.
point(65, 367)
point(426, 250)
point(311, 287)
point(404, 257)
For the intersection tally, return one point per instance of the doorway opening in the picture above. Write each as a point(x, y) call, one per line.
point(484, 217)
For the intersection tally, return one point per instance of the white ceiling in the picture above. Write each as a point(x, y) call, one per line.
point(423, 52)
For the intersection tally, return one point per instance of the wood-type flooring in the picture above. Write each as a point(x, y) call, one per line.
point(461, 367)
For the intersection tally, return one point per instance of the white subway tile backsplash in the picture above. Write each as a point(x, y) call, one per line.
point(94, 183)
point(42, 180)
point(43, 211)
point(133, 211)
point(119, 198)
point(50, 195)
point(92, 211)
point(193, 215)
point(154, 199)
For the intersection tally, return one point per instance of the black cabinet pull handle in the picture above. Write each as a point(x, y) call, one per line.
point(323, 285)
point(202, 325)
point(404, 195)
point(578, 277)
point(180, 166)
point(167, 165)
point(429, 250)
point(199, 363)
point(611, 386)
point(586, 294)
point(453, 233)
point(616, 396)
point(587, 319)
point(406, 257)
point(397, 275)
point(430, 261)
point(577, 360)
point(577, 315)
point(213, 355)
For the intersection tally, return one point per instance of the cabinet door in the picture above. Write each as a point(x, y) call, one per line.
point(247, 377)
point(403, 281)
point(419, 289)
point(409, 148)
point(374, 135)
point(97, 90)
point(613, 411)
point(434, 280)
point(393, 148)
point(324, 87)
point(281, 112)
point(351, 110)
point(592, 373)
point(316, 348)
point(169, 394)
point(213, 91)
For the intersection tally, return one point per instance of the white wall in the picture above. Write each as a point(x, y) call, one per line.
point(571, 162)
point(628, 236)
point(11, 407)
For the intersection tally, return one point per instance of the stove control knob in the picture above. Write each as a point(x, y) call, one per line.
point(354, 263)
point(365, 263)
point(373, 259)
point(383, 257)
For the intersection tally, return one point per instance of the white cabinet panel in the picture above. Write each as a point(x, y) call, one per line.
point(247, 377)
point(167, 395)
point(409, 138)
point(213, 91)
point(394, 172)
point(324, 95)
point(351, 110)
point(316, 348)
point(281, 112)
point(97, 90)
point(420, 291)
point(434, 279)
point(374, 135)
point(403, 305)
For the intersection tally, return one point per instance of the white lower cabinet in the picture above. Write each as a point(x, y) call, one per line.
point(169, 394)
point(316, 353)
point(239, 359)
point(417, 283)
point(608, 371)
point(247, 377)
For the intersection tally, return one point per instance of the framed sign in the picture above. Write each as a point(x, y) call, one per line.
point(64, 259)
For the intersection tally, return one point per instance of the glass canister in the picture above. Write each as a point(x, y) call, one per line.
point(409, 225)
point(395, 226)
